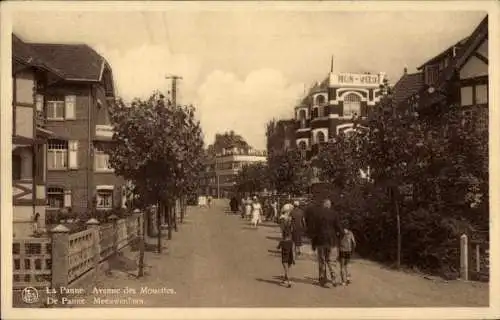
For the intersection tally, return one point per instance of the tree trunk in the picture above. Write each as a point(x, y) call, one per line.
point(174, 209)
point(395, 199)
point(142, 248)
point(169, 220)
point(160, 207)
point(182, 209)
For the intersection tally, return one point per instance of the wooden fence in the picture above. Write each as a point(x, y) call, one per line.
point(62, 258)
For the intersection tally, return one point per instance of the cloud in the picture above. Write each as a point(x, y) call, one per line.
point(141, 70)
point(226, 102)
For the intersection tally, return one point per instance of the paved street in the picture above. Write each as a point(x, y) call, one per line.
point(217, 260)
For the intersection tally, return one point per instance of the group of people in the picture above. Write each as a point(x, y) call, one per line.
point(251, 209)
point(319, 222)
point(322, 225)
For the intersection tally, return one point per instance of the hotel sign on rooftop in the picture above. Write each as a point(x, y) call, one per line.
point(356, 80)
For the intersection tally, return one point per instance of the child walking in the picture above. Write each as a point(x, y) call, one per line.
point(287, 258)
point(347, 246)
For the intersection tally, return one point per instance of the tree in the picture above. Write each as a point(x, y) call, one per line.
point(228, 140)
point(253, 178)
point(157, 147)
point(289, 172)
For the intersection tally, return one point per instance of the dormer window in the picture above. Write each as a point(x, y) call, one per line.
point(431, 74)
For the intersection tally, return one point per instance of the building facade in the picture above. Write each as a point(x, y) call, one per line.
point(29, 139)
point(456, 77)
point(333, 106)
point(74, 108)
point(219, 179)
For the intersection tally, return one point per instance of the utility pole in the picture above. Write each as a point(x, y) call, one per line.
point(174, 87)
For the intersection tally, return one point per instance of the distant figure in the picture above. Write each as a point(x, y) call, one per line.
point(36, 218)
point(256, 212)
point(346, 248)
point(248, 208)
point(298, 226)
point(287, 258)
point(274, 207)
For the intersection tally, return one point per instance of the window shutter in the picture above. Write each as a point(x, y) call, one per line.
point(39, 102)
point(69, 104)
point(67, 198)
point(73, 154)
point(124, 196)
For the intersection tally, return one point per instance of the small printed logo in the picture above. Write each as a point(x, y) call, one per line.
point(29, 295)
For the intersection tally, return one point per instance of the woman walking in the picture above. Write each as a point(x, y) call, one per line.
point(256, 212)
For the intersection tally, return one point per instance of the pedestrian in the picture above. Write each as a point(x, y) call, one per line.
point(248, 208)
point(324, 228)
point(346, 248)
point(285, 220)
point(274, 207)
point(287, 258)
point(209, 201)
point(36, 218)
point(256, 212)
point(298, 226)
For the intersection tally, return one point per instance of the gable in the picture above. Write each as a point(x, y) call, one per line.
point(473, 68)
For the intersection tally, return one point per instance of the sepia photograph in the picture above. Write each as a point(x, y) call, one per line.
point(246, 155)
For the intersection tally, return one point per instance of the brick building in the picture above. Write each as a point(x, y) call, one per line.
point(75, 109)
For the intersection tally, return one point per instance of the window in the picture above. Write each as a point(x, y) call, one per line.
point(101, 160)
point(59, 108)
point(431, 74)
point(16, 167)
point(55, 110)
point(55, 197)
point(57, 154)
point(352, 105)
point(482, 94)
point(320, 137)
point(320, 100)
point(466, 96)
point(104, 199)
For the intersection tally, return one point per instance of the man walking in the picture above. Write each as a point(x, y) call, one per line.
point(324, 228)
point(298, 226)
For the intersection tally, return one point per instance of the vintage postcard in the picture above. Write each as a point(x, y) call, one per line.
point(174, 160)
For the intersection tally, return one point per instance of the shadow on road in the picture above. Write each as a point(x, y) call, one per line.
point(277, 280)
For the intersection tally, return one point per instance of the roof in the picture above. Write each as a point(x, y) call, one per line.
point(409, 84)
point(457, 45)
point(71, 61)
point(463, 54)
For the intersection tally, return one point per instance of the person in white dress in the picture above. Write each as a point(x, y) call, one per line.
point(256, 212)
point(248, 208)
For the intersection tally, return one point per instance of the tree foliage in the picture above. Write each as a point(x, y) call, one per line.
point(434, 169)
point(289, 173)
point(253, 178)
point(157, 146)
point(228, 140)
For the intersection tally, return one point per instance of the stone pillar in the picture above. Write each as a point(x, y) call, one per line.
point(93, 224)
point(60, 259)
point(114, 220)
point(464, 258)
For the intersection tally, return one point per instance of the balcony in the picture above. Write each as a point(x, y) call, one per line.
point(103, 132)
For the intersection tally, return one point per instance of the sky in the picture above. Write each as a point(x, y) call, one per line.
point(241, 69)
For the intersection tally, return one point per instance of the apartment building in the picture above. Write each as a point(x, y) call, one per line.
point(219, 179)
point(74, 108)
